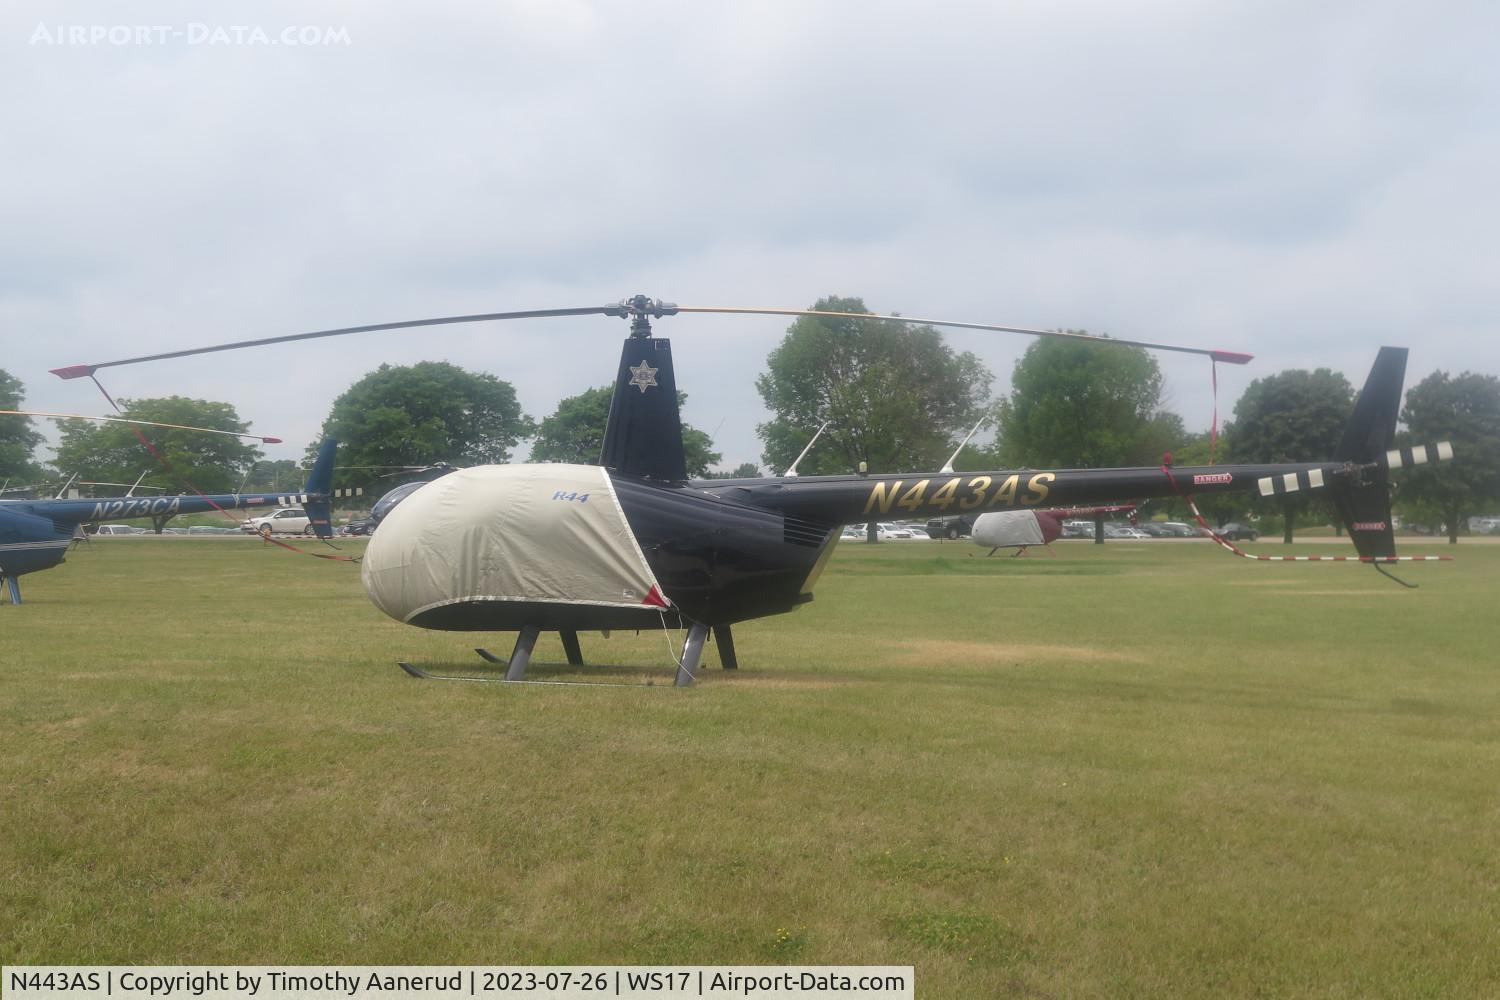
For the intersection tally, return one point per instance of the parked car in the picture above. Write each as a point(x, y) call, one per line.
point(1236, 532)
point(1115, 530)
point(358, 526)
point(1154, 529)
point(286, 521)
point(1077, 529)
point(212, 529)
point(950, 527)
point(891, 530)
point(120, 529)
point(1176, 529)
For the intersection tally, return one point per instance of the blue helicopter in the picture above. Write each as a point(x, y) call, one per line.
point(35, 534)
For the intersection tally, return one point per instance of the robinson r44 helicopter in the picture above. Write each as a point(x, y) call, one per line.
point(632, 543)
point(35, 534)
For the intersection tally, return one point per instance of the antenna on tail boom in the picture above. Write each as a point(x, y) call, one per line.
point(791, 472)
point(948, 465)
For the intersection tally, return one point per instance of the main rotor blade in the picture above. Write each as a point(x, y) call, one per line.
point(143, 423)
point(82, 371)
point(1231, 357)
point(638, 306)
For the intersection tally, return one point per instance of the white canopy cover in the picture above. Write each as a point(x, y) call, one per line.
point(1004, 528)
point(548, 533)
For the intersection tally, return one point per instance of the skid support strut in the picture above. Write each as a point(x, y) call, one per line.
point(520, 657)
point(692, 654)
point(571, 647)
point(724, 639)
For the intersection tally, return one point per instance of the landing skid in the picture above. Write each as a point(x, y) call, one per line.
point(419, 673)
point(520, 659)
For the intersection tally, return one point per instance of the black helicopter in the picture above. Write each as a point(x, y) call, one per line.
point(632, 543)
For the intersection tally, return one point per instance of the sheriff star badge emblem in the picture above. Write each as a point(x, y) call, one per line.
point(643, 375)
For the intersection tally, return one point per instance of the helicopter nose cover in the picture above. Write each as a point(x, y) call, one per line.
point(1007, 528)
point(525, 533)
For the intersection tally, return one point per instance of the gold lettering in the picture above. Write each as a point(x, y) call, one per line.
point(913, 498)
point(943, 498)
point(979, 484)
point(879, 496)
point(1038, 487)
point(1006, 494)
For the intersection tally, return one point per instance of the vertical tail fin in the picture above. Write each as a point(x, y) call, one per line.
point(1372, 428)
point(320, 484)
point(1364, 500)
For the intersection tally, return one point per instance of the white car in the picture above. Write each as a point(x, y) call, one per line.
point(120, 529)
point(286, 521)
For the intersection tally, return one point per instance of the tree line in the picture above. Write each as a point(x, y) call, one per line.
point(894, 397)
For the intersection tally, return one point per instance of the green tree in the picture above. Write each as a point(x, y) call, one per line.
point(429, 412)
point(895, 396)
point(697, 448)
point(1292, 416)
point(212, 463)
point(1464, 410)
point(745, 470)
point(575, 433)
point(281, 475)
point(1083, 405)
point(18, 439)
point(1216, 508)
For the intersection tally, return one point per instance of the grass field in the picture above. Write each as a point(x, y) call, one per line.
point(1136, 770)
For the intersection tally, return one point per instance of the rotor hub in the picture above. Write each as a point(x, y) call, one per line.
point(641, 309)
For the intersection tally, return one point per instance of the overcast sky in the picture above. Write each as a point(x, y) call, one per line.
point(1305, 182)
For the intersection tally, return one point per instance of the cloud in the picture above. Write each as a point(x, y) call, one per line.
point(1304, 183)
